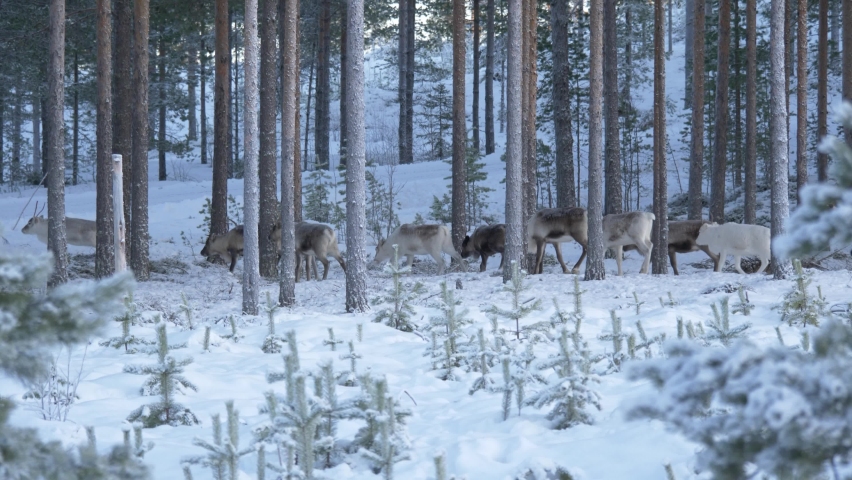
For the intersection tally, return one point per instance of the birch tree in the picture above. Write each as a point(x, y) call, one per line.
point(139, 171)
point(268, 138)
point(55, 131)
point(459, 227)
point(595, 261)
point(289, 145)
point(660, 233)
point(780, 208)
point(251, 195)
point(105, 248)
point(514, 248)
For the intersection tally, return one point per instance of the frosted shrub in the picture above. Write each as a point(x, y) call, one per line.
point(383, 441)
point(53, 394)
point(349, 378)
point(644, 342)
point(481, 357)
point(272, 343)
point(519, 309)
point(235, 336)
point(720, 327)
point(222, 456)
point(398, 298)
point(127, 340)
point(332, 342)
point(801, 306)
point(671, 302)
point(636, 303)
point(449, 322)
point(782, 412)
point(744, 306)
point(617, 336)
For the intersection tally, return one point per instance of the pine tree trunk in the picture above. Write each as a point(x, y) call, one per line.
point(801, 97)
point(738, 102)
point(612, 150)
point(529, 184)
point(55, 157)
point(489, 78)
point(515, 247)
point(289, 143)
point(822, 88)
point(221, 130)
point(475, 93)
point(105, 248)
point(191, 82)
point(847, 61)
point(720, 135)
point(36, 167)
point(75, 119)
point(2, 124)
point(45, 134)
point(696, 163)
point(17, 138)
point(689, 40)
point(235, 98)
point(162, 144)
point(203, 101)
point(356, 255)
point(778, 134)
point(251, 196)
point(308, 104)
point(834, 26)
point(459, 227)
point(595, 261)
point(323, 108)
point(402, 65)
point(749, 210)
point(409, 83)
point(563, 141)
point(344, 99)
point(139, 171)
point(671, 25)
point(122, 119)
point(297, 157)
point(268, 138)
point(660, 233)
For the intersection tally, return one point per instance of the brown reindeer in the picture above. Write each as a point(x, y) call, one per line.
point(78, 231)
point(418, 240)
point(557, 225)
point(314, 241)
point(227, 246)
point(486, 240)
point(682, 239)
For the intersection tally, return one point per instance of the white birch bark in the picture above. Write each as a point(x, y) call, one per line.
point(778, 147)
point(514, 248)
point(251, 195)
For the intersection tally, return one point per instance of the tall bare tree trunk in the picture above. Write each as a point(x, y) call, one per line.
point(105, 248)
point(55, 131)
point(459, 229)
point(689, 40)
point(75, 122)
point(749, 211)
point(612, 151)
point(323, 108)
point(595, 261)
point(720, 135)
point(802, 97)
point(475, 93)
point(515, 247)
point(221, 130)
point(297, 157)
point(162, 144)
point(2, 124)
point(203, 100)
point(529, 184)
point(36, 120)
point(289, 144)
point(308, 104)
point(847, 60)
point(269, 213)
point(660, 233)
point(822, 88)
point(559, 16)
point(696, 162)
point(251, 198)
point(409, 83)
point(139, 171)
point(489, 78)
point(778, 147)
point(17, 138)
point(344, 99)
point(356, 255)
point(122, 114)
point(403, 78)
point(191, 82)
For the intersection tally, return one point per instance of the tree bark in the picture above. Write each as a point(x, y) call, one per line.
point(515, 247)
point(203, 100)
point(595, 261)
point(221, 130)
point(323, 91)
point(720, 135)
point(563, 141)
point(344, 99)
point(529, 184)
point(409, 83)
point(105, 247)
point(251, 196)
point(660, 233)
point(847, 61)
point(459, 227)
point(2, 124)
point(696, 163)
point(297, 157)
point(75, 119)
point(822, 88)
point(162, 144)
point(191, 82)
point(122, 119)
point(289, 143)
point(268, 138)
point(308, 104)
point(801, 97)
point(139, 171)
point(749, 211)
point(17, 138)
point(612, 150)
point(475, 93)
point(235, 98)
point(402, 64)
point(778, 134)
point(356, 255)
point(36, 120)
point(489, 78)
point(689, 40)
point(55, 157)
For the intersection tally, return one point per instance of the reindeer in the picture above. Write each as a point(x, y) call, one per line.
point(631, 228)
point(554, 226)
point(227, 246)
point(487, 240)
point(682, 239)
point(78, 232)
point(313, 241)
point(738, 240)
point(418, 240)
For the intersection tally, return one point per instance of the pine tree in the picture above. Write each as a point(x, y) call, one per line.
point(223, 455)
point(518, 310)
point(138, 232)
point(383, 440)
point(127, 340)
point(398, 297)
point(799, 305)
point(55, 158)
point(720, 326)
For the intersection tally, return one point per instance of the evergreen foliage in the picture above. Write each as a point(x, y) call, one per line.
point(235, 336)
point(187, 310)
point(720, 327)
point(801, 306)
point(451, 321)
point(636, 303)
point(617, 336)
point(398, 297)
point(435, 120)
point(381, 205)
point(332, 342)
point(481, 356)
point(223, 456)
point(383, 441)
point(519, 309)
point(318, 204)
point(349, 378)
point(166, 380)
point(127, 340)
point(772, 411)
point(744, 306)
point(272, 343)
point(671, 302)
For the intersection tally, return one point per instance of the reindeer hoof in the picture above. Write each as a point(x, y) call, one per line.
point(575, 271)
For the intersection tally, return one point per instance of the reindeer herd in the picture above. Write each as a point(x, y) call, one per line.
point(554, 226)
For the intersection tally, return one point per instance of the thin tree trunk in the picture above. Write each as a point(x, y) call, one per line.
point(308, 107)
point(612, 150)
point(529, 184)
point(822, 88)
point(847, 61)
point(75, 119)
point(139, 171)
point(696, 165)
point(289, 110)
point(235, 98)
point(595, 249)
point(749, 210)
point(475, 93)
point(356, 255)
point(409, 83)
point(720, 135)
point(402, 64)
point(161, 124)
point(323, 108)
point(2, 124)
point(689, 40)
point(671, 25)
point(738, 103)
point(191, 82)
point(802, 98)
point(489, 78)
point(268, 138)
point(559, 16)
point(459, 227)
point(17, 138)
point(36, 167)
point(514, 249)
point(778, 134)
point(105, 248)
point(221, 130)
point(251, 198)
point(660, 233)
point(203, 101)
point(344, 99)
point(55, 157)
point(297, 157)
point(122, 126)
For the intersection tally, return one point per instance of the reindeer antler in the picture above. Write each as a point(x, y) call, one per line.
point(35, 208)
point(43, 206)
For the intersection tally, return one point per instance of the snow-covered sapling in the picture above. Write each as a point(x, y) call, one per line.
point(671, 302)
point(636, 303)
point(331, 340)
point(507, 388)
point(383, 440)
point(679, 327)
point(721, 325)
point(359, 332)
point(187, 310)
point(235, 336)
point(127, 340)
point(744, 306)
point(441, 467)
point(519, 309)
point(165, 380)
point(617, 336)
point(139, 448)
point(349, 378)
point(222, 457)
point(480, 359)
point(801, 306)
point(448, 362)
point(644, 342)
point(450, 321)
point(206, 345)
point(669, 472)
point(398, 298)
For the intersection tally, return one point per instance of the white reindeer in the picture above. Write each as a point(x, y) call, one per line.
point(418, 240)
point(738, 240)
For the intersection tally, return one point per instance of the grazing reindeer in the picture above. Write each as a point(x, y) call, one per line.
point(557, 225)
point(631, 228)
point(418, 240)
point(227, 246)
point(682, 239)
point(487, 240)
point(738, 240)
point(77, 231)
point(313, 241)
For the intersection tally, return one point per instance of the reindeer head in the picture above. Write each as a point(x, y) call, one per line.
point(36, 219)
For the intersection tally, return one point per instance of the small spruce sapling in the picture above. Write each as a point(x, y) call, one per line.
point(449, 362)
point(127, 340)
point(359, 332)
point(383, 439)
point(519, 309)
point(187, 310)
point(441, 467)
point(398, 298)
point(139, 448)
point(645, 342)
point(801, 306)
point(206, 344)
point(451, 320)
point(617, 337)
point(671, 302)
point(744, 306)
point(720, 326)
point(507, 388)
point(481, 359)
point(331, 340)
point(166, 380)
point(349, 378)
point(272, 343)
point(636, 303)
point(222, 457)
point(235, 336)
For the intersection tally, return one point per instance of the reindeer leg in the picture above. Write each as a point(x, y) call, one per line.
point(341, 262)
point(673, 260)
point(483, 263)
point(558, 248)
point(502, 258)
point(539, 256)
point(722, 257)
point(647, 261)
point(619, 254)
point(576, 268)
point(737, 261)
point(439, 259)
point(324, 262)
point(764, 262)
point(233, 254)
point(712, 256)
point(298, 266)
